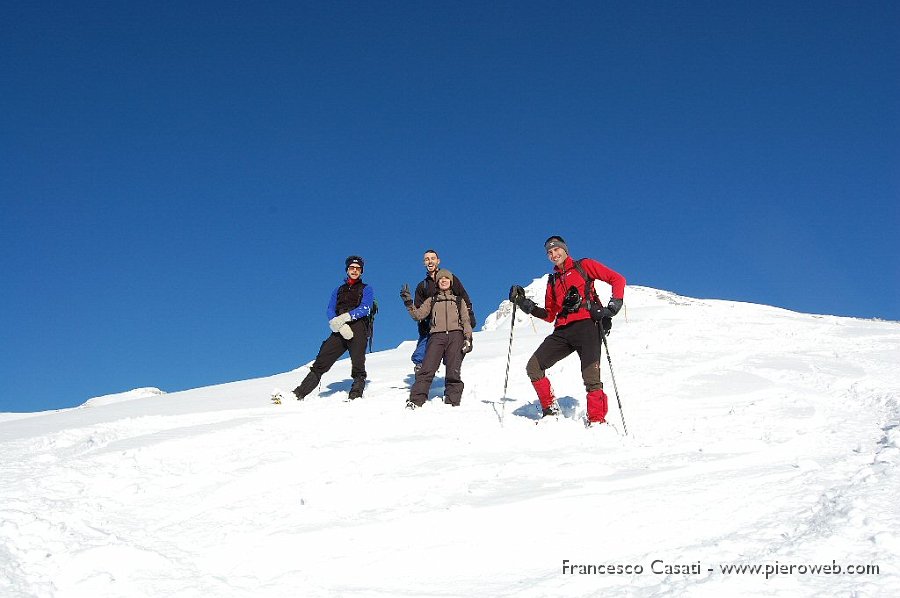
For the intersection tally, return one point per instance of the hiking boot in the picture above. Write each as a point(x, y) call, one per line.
point(551, 411)
point(412, 406)
point(307, 386)
point(356, 391)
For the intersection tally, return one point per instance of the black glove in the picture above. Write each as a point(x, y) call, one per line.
point(467, 346)
point(606, 323)
point(405, 295)
point(614, 306)
point(599, 313)
point(517, 296)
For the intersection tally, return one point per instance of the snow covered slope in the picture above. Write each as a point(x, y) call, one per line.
point(758, 437)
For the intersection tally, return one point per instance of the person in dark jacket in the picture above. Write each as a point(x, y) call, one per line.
point(348, 315)
point(579, 318)
point(450, 332)
point(428, 288)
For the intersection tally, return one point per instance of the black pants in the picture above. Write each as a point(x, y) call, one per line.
point(331, 350)
point(446, 346)
point(581, 337)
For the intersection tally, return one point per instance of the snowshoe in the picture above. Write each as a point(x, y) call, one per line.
point(603, 429)
point(548, 414)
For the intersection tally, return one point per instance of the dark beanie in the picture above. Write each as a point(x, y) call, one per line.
point(354, 259)
point(556, 241)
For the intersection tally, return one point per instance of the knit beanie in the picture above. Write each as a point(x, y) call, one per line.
point(354, 259)
point(556, 241)
point(443, 273)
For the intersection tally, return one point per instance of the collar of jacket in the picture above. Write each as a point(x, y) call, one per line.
point(567, 265)
point(351, 281)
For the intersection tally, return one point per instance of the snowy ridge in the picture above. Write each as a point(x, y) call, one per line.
point(131, 395)
point(759, 436)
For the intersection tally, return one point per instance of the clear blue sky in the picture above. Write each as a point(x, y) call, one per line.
point(181, 182)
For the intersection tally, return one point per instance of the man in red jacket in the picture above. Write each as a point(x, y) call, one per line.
point(571, 303)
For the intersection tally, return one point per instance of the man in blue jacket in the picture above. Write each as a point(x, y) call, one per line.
point(348, 313)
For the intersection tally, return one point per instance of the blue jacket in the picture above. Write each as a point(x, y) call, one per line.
point(346, 295)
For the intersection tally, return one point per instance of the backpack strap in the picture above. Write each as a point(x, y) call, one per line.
point(589, 291)
point(458, 307)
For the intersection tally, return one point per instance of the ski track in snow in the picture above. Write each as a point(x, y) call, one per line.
point(756, 435)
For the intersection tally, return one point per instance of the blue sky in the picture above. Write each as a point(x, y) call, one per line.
point(180, 184)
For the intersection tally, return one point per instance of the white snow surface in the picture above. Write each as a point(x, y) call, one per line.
point(757, 437)
point(131, 395)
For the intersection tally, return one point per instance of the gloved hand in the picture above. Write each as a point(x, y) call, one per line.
point(606, 323)
point(405, 295)
point(614, 305)
point(598, 312)
point(517, 296)
point(346, 331)
point(467, 346)
point(336, 322)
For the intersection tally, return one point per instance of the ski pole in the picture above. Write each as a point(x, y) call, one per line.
point(613, 374)
point(512, 327)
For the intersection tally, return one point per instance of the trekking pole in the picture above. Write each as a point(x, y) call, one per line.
point(512, 326)
point(615, 387)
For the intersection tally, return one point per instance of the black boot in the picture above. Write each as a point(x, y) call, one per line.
point(356, 391)
point(551, 411)
point(307, 386)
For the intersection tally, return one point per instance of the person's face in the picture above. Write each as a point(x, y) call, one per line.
point(557, 255)
point(431, 262)
point(444, 284)
point(354, 271)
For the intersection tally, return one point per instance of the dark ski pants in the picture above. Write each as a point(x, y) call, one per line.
point(581, 337)
point(331, 350)
point(446, 346)
point(419, 352)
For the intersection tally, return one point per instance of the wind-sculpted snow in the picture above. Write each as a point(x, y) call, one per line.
point(131, 395)
point(763, 446)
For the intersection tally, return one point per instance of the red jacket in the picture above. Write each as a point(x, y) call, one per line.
point(570, 276)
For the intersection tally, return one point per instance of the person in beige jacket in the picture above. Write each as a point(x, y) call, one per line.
point(450, 338)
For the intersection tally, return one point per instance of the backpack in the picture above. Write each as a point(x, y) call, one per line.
point(370, 323)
